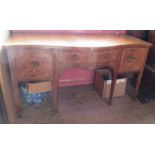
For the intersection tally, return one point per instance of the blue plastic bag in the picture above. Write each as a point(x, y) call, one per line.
point(33, 99)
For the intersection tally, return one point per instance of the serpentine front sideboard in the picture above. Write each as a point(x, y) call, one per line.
point(38, 57)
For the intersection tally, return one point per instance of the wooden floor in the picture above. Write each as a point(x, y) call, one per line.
point(82, 104)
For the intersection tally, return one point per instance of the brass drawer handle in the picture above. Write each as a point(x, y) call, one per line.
point(75, 57)
point(107, 56)
point(35, 63)
point(130, 58)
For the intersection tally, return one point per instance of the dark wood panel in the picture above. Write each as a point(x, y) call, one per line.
point(142, 34)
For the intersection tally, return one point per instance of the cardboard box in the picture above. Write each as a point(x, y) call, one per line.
point(39, 87)
point(103, 86)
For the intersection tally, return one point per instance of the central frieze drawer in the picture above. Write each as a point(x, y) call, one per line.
point(33, 63)
point(132, 59)
point(73, 58)
point(106, 57)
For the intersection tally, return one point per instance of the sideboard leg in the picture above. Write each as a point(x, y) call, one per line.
point(114, 76)
point(14, 81)
point(55, 96)
point(16, 98)
point(139, 77)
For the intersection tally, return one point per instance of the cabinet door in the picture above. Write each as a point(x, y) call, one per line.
point(33, 63)
point(132, 59)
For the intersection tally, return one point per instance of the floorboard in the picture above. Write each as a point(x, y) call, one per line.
point(82, 105)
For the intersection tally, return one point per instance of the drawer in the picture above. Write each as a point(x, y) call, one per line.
point(33, 63)
point(132, 59)
point(74, 58)
point(106, 58)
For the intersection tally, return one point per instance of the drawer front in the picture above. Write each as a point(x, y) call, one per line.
point(132, 59)
point(33, 64)
point(106, 58)
point(74, 58)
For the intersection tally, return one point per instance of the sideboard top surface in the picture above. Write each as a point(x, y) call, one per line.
point(75, 40)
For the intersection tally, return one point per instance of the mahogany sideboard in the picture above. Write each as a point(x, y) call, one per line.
point(38, 57)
